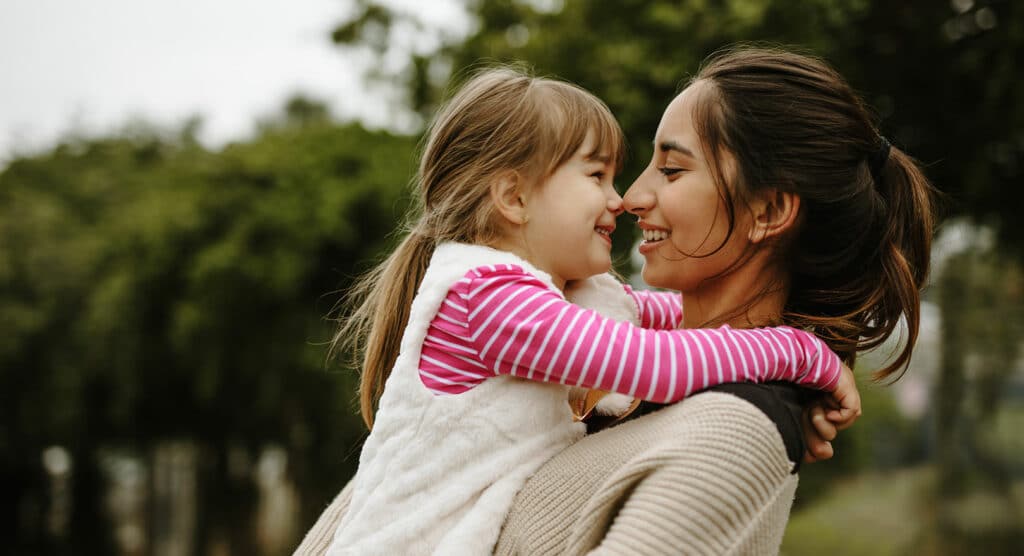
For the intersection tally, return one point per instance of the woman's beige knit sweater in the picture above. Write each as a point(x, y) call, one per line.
point(706, 476)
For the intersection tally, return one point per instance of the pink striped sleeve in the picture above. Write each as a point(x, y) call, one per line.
point(658, 310)
point(520, 327)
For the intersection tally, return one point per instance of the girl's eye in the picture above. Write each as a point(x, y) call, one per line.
point(599, 175)
point(669, 171)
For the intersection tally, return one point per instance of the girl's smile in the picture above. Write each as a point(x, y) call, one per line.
point(571, 218)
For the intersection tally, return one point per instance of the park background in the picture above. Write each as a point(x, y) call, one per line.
point(165, 297)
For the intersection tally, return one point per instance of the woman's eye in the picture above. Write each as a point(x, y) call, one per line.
point(669, 171)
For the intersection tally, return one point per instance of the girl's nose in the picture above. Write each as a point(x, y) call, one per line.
point(615, 203)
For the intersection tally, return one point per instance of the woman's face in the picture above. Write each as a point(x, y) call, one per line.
point(682, 214)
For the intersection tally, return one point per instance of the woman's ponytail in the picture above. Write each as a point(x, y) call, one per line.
point(904, 253)
point(858, 258)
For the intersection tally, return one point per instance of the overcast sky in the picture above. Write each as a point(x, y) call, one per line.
point(92, 66)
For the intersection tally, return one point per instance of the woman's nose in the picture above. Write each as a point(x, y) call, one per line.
point(638, 198)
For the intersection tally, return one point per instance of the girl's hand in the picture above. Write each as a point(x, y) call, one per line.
point(818, 433)
point(844, 402)
point(823, 419)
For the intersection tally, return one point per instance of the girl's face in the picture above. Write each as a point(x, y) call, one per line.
point(571, 217)
point(682, 214)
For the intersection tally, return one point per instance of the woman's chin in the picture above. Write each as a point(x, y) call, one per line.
point(653, 278)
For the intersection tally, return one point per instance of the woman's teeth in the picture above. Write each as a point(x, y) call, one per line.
point(655, 235)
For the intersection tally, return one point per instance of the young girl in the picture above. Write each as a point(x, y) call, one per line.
point(517, 202)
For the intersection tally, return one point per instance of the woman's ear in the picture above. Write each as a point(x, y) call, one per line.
point(775, 212)
point(509, 198)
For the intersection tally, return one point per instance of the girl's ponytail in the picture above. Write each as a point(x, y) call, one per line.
point(372, 333)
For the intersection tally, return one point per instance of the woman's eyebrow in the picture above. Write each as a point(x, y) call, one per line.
point(670, 145)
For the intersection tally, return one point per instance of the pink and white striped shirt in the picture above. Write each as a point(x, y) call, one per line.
point(501, 320)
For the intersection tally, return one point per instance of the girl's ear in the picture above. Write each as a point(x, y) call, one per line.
point(775, 212)
point(509, 197)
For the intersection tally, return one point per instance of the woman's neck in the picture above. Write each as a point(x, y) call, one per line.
point(748, 297)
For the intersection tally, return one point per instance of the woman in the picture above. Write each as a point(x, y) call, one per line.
point(771, 198)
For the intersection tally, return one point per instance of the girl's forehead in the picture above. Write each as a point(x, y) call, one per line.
point(590, 151)
point(589, 144)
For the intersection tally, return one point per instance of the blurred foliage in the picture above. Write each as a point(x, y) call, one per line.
point(151, 289)
point(883, 439)
point(944, 77)
point(891, 514)
point(874, 514)
point(981, 296)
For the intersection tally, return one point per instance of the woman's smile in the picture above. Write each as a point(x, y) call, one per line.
point(653, 236)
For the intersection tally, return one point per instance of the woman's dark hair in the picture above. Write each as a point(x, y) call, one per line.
point(859, 255)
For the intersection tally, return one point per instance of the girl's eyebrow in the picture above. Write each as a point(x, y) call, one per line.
point(597, 157)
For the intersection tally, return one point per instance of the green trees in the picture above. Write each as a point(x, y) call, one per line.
point(153, 290)
point(943, 76)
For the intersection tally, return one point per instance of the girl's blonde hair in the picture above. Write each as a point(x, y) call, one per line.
point(501, 120)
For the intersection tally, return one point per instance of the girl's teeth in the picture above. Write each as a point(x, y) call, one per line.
point(655, 235)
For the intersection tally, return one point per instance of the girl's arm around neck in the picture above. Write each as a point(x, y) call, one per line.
point(521, 327)
point(659, 310)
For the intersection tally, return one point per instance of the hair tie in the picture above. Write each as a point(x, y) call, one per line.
point(877, 159)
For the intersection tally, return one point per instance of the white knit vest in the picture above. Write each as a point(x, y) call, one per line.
point(438, 474)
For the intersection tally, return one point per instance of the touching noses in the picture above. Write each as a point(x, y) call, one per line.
point(614, 202)
point(638, 198)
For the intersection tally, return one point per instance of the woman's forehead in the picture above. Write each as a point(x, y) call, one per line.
point(677, 120)
point(676, 131)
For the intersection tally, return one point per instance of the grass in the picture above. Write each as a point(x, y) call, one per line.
point(875, 514)
point(896, 513)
